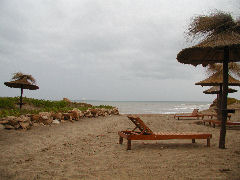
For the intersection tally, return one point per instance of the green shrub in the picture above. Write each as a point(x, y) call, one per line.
point(7, 103)
point(104, 106)
point(232, 101)
point(8, 106)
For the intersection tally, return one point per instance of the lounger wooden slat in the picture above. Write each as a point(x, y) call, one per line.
point(146, 133)
point(215, 115)
point(217, 122)
point(194, 114)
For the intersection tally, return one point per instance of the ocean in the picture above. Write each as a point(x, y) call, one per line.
point(153, 107)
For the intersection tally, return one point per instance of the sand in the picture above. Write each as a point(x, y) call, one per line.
point(89, 149)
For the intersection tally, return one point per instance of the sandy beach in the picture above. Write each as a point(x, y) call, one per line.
point(89, 149)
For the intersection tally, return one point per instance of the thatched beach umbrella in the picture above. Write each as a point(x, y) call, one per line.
point(221, 44)
point(217, 80)
point(22, 83)
point(217, 90)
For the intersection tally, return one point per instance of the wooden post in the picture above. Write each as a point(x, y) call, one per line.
point(208, 142)
point(219, 111)
point(21, 97)
point(224, 98)
point(120, 140)
point(129, 145)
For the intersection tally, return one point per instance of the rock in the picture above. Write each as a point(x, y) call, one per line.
point(57, 116)
point(75, 113)
point(19, 119)
point(115, 111)
point(25, 125)
point(2, 127)
point(67, 116)
point(35, 118)
point(7, 126)
point(88, 113)
point(48, 114)
point(81, 114)
point(109, 111)
point(66, 100)
point(45, 118)
point(17, 126)
point(3, 121)
point(56, 121)
point(25, 118)
point(35, 124)
point(94, 112)
point(12, 120)
point(45, 121)
point(104, 112)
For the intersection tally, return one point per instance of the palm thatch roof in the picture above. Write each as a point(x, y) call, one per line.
point(234, 68)
point(221, 31)
point(211, 50)
point(21, 83)
point(216, 90)
point(217, 79)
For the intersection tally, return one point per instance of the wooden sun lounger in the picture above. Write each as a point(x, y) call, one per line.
point(146, 133)
point(217, 122)
point(194, 114)
point(215, 115)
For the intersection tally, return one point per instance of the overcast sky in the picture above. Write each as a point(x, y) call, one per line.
point(103, 49)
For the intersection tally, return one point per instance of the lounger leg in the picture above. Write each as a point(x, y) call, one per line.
point(120, 140)
point(208, 142)
point(214, 125)
point(193, 140)
point(129, 145)
point(203, 122)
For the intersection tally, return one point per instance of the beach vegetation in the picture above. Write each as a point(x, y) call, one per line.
point(232, 101)
point(9, 106)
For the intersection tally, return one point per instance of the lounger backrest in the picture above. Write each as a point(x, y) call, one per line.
point(140, 124)
point(195, 112)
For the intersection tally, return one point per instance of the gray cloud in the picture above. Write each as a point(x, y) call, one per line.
point(110, 50)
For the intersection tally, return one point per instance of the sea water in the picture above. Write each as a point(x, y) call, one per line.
point(153, 107)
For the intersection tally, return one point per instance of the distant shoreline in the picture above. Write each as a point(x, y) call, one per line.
point(136, 101)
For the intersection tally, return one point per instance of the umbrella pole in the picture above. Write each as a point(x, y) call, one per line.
point(21, 98)
point(224, 98)
point(220, 103)
point(218, 107)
